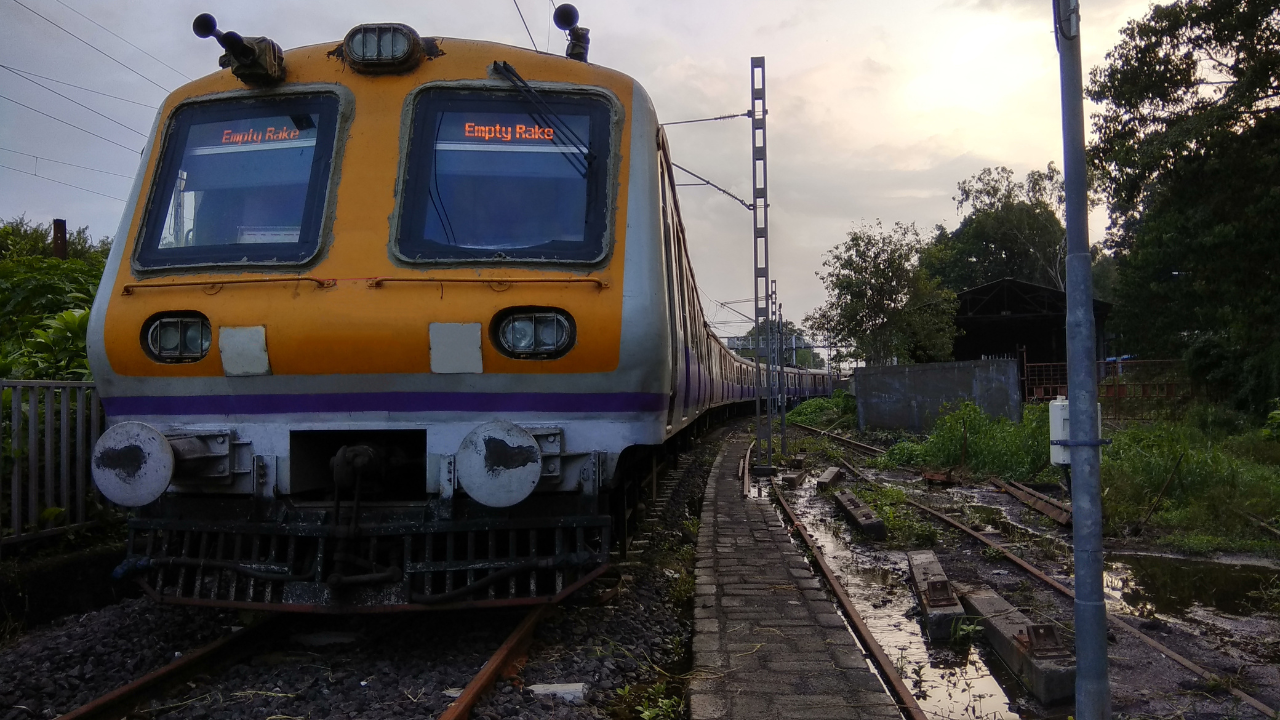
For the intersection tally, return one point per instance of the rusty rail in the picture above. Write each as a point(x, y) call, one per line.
point(1039, 575)
point(515, 643)
point(868, 450)
point(1044, 504)
point(906, 701)
point(122, 701)
point(49, 429)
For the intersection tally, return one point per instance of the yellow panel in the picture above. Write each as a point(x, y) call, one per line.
point(351, 327)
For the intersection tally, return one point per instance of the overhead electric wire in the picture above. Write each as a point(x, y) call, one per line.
point(77, 187)
point(522, 22)
point(77, 102)
point(64, 122)
point(20, 71)
point(746, 114)
point(742, 202)
point(126, 42)
point(91, 46)
point(59, 162)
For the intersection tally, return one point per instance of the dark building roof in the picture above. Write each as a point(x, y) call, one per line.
point(1011, 318)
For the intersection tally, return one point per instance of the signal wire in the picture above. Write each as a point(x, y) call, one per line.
point(522, 22)
point(709, 119)
point(10, 68)
point(77, 102)
point(64, 122)
point(59, 162)
point(126, 42)
point(91, 46)
point(77, 187)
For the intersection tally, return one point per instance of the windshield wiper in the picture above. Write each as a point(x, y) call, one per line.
point(544, 114)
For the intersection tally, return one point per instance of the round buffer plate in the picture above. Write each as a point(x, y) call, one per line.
point(499, 464)
point(132, 464)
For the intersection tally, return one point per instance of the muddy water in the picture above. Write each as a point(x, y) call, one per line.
point(949, 681)
point(1158, 584)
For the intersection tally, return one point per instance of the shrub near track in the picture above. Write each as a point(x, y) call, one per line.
point(1225, 468)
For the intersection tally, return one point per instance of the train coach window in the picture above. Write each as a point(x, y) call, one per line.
point(491, 177)
point(241, 181)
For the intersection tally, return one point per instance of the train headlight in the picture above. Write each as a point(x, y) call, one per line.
point(382, 48)
point(534, 333)
point(177, 337)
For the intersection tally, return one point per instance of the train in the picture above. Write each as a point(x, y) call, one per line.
point(400, 322)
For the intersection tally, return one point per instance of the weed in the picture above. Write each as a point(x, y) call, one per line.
point(992, 553)
point(905, 527)
point(1268, 596)
point(692, 526)
point(655, 702)
point(964, 630)
point(683, 588)
point(840, 412)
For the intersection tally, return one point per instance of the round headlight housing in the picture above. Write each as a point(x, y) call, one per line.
point(534, 333)
point(178, 337)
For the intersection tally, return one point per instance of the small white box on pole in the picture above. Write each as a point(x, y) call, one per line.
point(1060, 429)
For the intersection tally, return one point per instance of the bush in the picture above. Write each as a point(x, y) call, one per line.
point(35, 296)
point(841, 409)
point(968, 437)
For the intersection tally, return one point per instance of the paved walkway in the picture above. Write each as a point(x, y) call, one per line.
point(768, 642)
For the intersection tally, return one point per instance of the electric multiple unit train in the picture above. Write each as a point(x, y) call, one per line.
point(382, 317)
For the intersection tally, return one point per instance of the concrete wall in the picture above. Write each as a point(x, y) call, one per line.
point(908, 397)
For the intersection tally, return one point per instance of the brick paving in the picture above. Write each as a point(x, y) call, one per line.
point(768, 642)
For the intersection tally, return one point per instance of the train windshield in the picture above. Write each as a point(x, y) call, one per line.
point(495, 177)
point(242, 182)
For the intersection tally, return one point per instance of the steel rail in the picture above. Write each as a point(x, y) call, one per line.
point(1039, 575)
point(515, 643)
point(122, 701)
point(906, 701)
point(869, 450)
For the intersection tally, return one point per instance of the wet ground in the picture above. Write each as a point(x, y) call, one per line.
point(1210, 612)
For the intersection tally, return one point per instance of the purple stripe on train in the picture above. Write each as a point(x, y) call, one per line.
point(385, 402)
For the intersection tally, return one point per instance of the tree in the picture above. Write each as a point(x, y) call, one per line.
point(880, 302)
point(1188, 150)
point(21, 238)
point(1010, 229)
point(795, 347)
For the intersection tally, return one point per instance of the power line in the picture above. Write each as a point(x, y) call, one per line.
point(126, 42)
point(64, 122)
point(77, 102)
point(59, 162)
point(522, 22)
point(10, 68)
point(77, 187)
point(709, 119)
point(707, 182)
point(93, 47)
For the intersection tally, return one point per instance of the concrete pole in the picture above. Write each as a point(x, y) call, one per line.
point(1093, 692)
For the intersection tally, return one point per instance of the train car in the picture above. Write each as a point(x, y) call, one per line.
point(388, 322)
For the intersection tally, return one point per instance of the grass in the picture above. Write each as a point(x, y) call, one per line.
point(1226, 466)
point(838, 412)
point(904, 526)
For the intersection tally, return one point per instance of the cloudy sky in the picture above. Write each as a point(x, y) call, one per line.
point(877, 108)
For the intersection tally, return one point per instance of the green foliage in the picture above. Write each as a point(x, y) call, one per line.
point(904, 525)
point(1012, 229)
point(21, 238)
point(880, 302)
point(655, 702)
point(1188, 150)
point(839, 410)
point(45, 303)
point(983, 444)
point(802, 356)
point(1225, 467)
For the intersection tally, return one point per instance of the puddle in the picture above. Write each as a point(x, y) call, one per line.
point(1147, 584)
point(949, 681)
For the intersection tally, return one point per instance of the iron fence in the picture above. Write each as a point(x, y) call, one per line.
point(47, 433)
point(1127, 389)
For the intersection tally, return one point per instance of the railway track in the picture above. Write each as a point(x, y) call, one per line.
point(1042, 577)
point(860, 448)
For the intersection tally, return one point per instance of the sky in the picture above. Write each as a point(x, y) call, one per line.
point(876, 109)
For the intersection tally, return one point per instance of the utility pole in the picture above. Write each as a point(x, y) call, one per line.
point(765, 389)
point(782, 379)
point(60, 238)
point(1093, 692)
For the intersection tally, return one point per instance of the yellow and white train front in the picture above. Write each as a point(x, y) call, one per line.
point(376, 336)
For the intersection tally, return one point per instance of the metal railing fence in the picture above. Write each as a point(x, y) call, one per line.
point(47, 432)
point(1127, 389)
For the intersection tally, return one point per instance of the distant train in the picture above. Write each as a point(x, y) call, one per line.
point(388, 321)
